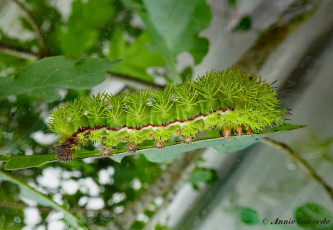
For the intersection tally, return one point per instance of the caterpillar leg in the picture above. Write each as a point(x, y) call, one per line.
point(106, 152)
point(186, 140)
point(239, 130)
point(249, 131)
point(131, 147)
point(226, 132)
point(159, 144)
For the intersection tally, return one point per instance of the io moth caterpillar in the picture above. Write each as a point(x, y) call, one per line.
point(230, 101)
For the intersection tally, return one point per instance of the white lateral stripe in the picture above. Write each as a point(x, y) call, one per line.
point(180, 123)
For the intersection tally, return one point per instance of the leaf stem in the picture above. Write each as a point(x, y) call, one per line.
point(300, 160)
point(173, 74)
point(32, 21)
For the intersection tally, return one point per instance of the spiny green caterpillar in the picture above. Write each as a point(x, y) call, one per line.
point(230, 101)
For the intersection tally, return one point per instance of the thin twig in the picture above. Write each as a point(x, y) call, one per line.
point(18, 53)
point(21, 206)
point(135, 82)
point(301, 161)
point(180, 179)
point(32, 21)
point(254, 58)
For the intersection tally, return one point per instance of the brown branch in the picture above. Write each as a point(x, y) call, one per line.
point(180, 179)
point(300, 160)
point(32, 21)
point(271, 38)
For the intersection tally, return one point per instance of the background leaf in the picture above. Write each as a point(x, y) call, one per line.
point(202, 175)
point(42, 78)
point(81, 29)
point(40, 198)
point(314, 212)
point(174, 26)
point(9, 65)
point(248, 216)
point(135, 57)
point(244, 24)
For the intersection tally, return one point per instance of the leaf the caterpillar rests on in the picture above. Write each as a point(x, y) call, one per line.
point(228, 101)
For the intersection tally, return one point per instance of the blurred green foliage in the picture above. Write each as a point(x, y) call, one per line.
point(244, 24)
point(314, 216)
point(202, 175)
point(122, 37)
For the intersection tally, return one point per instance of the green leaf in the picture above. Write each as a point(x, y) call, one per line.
point(40, 198)
point(199, 50)
point(4, 158)
point(202, 175)
point(9, 65)
point(161, 227)
point(244, 24)
point(314, 216)
point(42, 78)
point(118, 47)
point(248, 216)
point(21, 162)
point(287, 126)
point(10, 216)
point(174, 26)
point(170, 152)
point(135, 58)
point(77, 40)
point(16, 43)
point(233, 2)
point(83, 23)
